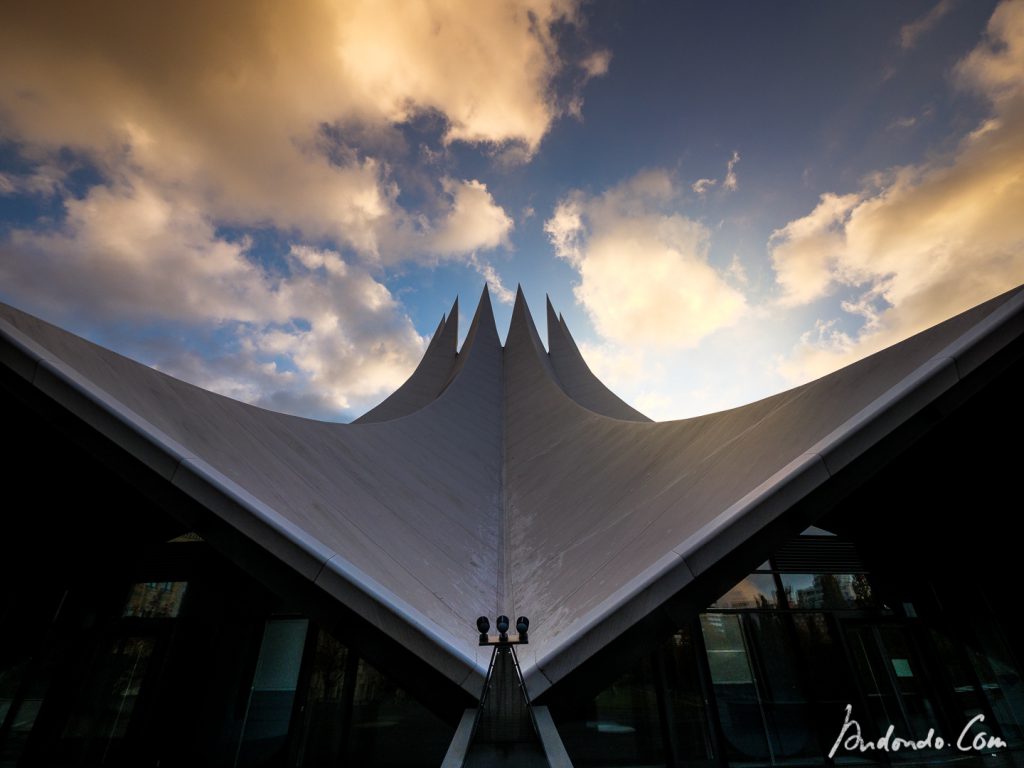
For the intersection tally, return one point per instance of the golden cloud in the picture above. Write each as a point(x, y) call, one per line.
point(924, 242)
point(226, 102)
point(644, 272)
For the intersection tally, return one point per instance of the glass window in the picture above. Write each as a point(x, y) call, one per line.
point(758, 590)
point(687, 715)
point(11, 677)
point(735, 692)
point(326, 716)
point(830, 591)
point(1000, 681)
point(96, 731)
point(269, 712)
point(20, 701)
point(389, 727)
point(619, 726)
point(354, 715)
point(782, 697)
point(155, 600)
point(829, 677)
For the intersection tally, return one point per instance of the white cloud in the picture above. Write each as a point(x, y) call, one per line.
point(129, 253)
point(497, 288)
point(737, 271)
point(701, 186)
point(474, 220)
point(644, 272)
point(912, 32)
point(902, 123)
point(44, 180)
point(996, 66)
point(486, 67)
point(921, 242)
point(731, 183)
point(806, 250)
point(597, 63)
point(230, 104)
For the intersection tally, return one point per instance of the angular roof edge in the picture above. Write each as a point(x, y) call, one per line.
point(764, 504)
point(544, 663)
point(245, 513)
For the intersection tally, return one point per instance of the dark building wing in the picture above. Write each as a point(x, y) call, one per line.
point(428, 379)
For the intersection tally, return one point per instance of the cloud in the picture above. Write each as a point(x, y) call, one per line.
point(923, 242)
point(259, 117)
point(486, 67)
point(264, 114)
point(806, 252)
point(731, 183)
point(597, 63)
point(912, 32)
point(902, 123)
point(474, 221)
point(995, 67)
point(737, 271)
point(321, 337)
point(44, 180)
point(497, 287)
point(701, 186)
point(644, 272)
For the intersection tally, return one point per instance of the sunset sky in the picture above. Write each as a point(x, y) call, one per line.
point(278, 201)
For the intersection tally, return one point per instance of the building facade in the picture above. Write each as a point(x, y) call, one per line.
point(191, 581)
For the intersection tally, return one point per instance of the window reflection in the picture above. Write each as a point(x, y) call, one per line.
point(155, 600)
point(687, 714)
point(354, 715)
point(831, 591)
point(732, 678)
point(326, 718)
point(785, 653)
point(827, 672)
point(268, 715)
point(619, 726)
point(1000, 682)
point(758, 590)
point(386, 719)
point(781, 692)
point(96, 730)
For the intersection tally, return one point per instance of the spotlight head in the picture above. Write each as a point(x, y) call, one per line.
point(522, 625)
point(502, 624)
point(482, 625)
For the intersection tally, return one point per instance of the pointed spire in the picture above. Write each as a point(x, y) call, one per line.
point(522, 332)
point(449, 339)
point(429, 378)
point(567, 336)
point(576, 378)
point(454, 311)
point(483, 320)
point(553, 327)
point(482, 331)
point(436, 338)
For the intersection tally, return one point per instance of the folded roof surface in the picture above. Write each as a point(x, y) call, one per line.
point(503, 479)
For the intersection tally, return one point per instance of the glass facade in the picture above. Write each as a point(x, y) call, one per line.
point(194, 663)
point(127, 640)
point(764, 675)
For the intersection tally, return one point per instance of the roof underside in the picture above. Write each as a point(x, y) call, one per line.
point(503, 479)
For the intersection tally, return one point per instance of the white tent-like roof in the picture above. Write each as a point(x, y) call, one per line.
point(503, 479)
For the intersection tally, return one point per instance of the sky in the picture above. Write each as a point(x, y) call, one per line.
point(279, 201)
